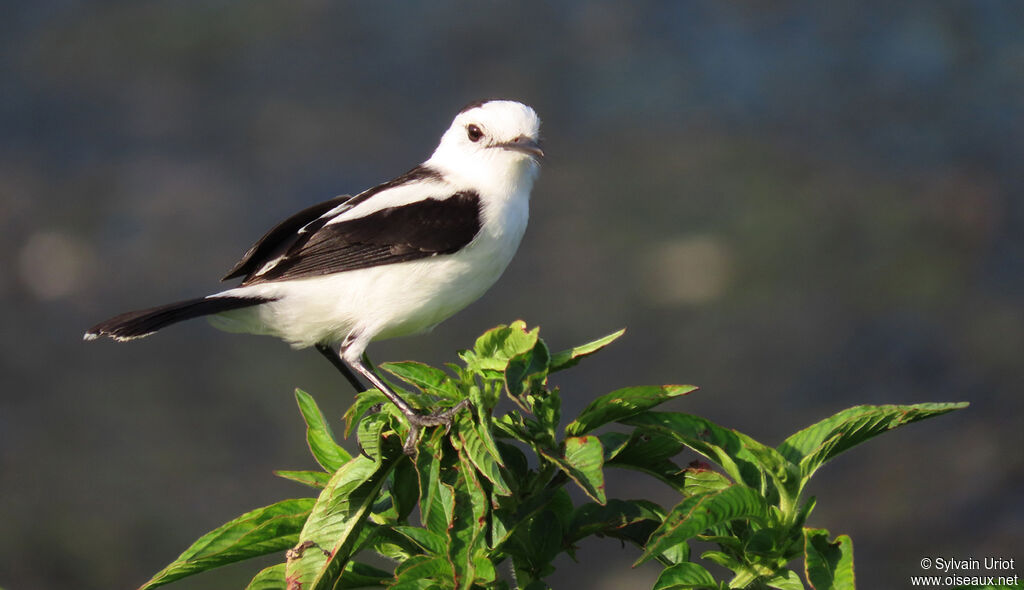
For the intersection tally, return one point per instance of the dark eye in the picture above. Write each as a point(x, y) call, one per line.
point(474, 133)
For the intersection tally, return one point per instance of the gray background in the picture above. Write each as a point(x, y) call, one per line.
point(798, 208)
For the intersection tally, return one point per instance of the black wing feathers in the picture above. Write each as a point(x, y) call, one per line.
point(281, 237)
point(394, 234)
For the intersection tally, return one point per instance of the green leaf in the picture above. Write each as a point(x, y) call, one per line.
point(788, 581)
point(569, 358)
point(544, 535)
point(685, 576)
point(321, 440)
point(427, 379)
point(369, 434)
point(428, 471)
point(698, 513)
point(495, 347)
point(483, 399)
point(364, 401)
point(313, 479)
point(466, 525)
point(258, 532)
point(527, 370)
point(485, 573)
point(271, 578)
point(429, 541)
point(484, 457)
point(384, 540)
point(613, 443)
point(622, 404)
point(829, 566)
point(362, 575)
point(613, 518)
point(744, 459)
point(650, 452)
point(335, 520)
point(583, 462)
point(699, 481)
point(404, 489)
point(421, 572)
point(813, 446)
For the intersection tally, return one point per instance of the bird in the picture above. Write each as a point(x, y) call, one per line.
point(394, 260)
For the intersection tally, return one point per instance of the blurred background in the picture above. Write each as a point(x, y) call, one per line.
point(798, 208)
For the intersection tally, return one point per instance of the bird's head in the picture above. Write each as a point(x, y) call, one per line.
point(494, 139)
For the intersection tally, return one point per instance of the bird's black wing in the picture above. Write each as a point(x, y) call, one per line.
point(280, 238)
point(285, 236)
point(395, 234)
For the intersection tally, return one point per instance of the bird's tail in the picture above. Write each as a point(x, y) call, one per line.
point(136, 324)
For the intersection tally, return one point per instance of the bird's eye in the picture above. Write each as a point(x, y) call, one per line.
point(474, 133)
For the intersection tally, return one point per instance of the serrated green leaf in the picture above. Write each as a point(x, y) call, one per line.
point(828, 565)
point(327, 452)
point(583, 462)
point(698, 513)
point(334, 523)
point(427, 379)
point(486, 460)
point(570, 358)
point(466, 528)
point(270, 578)
point(428, 471)
point(258, 532)
point(368, 434)
point(813, 446)
point(685, 576)
point(623, 403)
point(313, 479)
point(443, 510)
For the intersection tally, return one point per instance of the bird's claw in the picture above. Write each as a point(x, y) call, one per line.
point(418, 421)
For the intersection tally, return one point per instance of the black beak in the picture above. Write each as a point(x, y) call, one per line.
point(524, 144)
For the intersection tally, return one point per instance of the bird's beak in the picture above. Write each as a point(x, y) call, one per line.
point(525, 144)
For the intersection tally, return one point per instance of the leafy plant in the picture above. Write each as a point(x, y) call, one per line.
point(485, 504)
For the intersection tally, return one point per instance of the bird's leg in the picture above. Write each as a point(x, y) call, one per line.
point(416, 421)
point(339, 364)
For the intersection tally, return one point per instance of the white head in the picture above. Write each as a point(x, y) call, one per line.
point(491, 141)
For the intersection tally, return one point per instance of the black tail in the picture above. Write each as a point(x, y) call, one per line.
point(136, 324)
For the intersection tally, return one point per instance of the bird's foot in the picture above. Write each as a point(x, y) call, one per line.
point(418, 421)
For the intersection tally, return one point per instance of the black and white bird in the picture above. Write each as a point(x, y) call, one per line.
point(394, 260)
